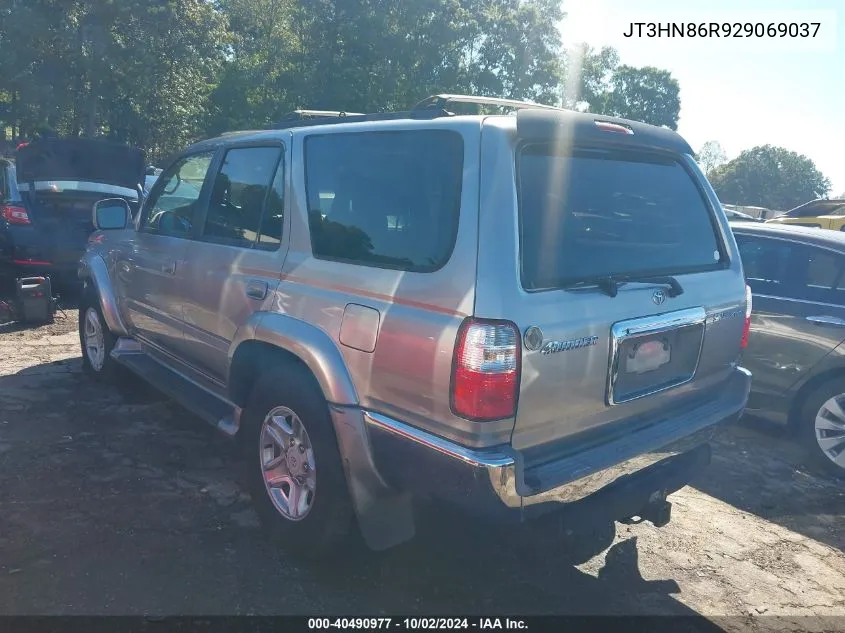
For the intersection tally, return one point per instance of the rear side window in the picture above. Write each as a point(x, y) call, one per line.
point(594, 213)
point(384, 199)
point(248, 184)
point(779, 268)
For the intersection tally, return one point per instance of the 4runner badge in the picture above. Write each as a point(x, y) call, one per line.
point(553, 347)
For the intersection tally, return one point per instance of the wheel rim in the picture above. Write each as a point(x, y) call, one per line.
point(287, 464)
point(830, 430)
point(95, 344)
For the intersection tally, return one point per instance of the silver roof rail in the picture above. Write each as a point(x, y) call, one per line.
point(314, 114)
point(440, 102)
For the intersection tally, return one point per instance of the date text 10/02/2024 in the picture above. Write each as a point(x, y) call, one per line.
point(416, 623)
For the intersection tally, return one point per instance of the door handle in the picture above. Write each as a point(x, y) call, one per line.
point(256, 289)
point(168, 268)
point(827, 320)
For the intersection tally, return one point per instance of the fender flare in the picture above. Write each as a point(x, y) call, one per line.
point(310, 344)
point(93, 269)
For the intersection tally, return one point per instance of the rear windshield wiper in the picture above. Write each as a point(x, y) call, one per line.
point(609, 284)
point(675, 287)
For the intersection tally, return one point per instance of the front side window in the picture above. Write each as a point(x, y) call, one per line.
point(384, 199)
point(245, 208)
point(173, 207)
point(591, 213)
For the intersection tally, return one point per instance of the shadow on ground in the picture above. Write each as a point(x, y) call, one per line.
point(116, 501)
point(760, 468)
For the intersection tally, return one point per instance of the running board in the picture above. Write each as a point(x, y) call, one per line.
point(198, 400)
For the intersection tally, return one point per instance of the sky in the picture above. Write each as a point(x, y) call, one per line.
point(739, 92)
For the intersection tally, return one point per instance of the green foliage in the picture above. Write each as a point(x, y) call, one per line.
point(139, 72)
point(604, 86)
point(645, 94)
point(771, 177)
point(160, 73)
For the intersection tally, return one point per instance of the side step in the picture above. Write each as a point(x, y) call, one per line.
point(190, 394)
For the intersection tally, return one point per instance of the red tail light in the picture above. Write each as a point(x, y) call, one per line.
point(747, 327)
point(485, 378)
point(14, 214)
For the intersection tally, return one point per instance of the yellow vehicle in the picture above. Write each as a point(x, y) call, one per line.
point(823, 214)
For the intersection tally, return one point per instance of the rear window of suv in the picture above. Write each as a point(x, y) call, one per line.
point(594, 213)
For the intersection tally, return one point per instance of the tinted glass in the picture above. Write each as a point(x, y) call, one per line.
point(766, 263)
point(239, 194)
point(594, 213)
point(388, 199)
point(810, 212)
point(173, 206)
point(780, 268)
point(270, 235)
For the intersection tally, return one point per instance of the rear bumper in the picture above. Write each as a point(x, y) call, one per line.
point(615, 480)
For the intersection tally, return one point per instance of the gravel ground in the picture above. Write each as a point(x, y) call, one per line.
point(115, 500)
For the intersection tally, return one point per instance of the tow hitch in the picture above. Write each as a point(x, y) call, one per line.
point(658, 511)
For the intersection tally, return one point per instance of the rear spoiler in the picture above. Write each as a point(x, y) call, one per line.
point(568, 126)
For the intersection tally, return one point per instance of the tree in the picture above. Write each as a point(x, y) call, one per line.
point(135, 71)
point(710, 156)
point(771, 177)
point(603, 86)
point(647, 94)
point(519, 50)
point(588, 75)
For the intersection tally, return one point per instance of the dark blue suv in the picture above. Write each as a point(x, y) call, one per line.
point(46, 198)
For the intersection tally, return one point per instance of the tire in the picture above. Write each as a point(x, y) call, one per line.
point(323, 520)
point(825, 407)
point(99, 365)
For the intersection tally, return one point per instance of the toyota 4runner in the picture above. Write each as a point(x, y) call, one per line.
point(525, 314)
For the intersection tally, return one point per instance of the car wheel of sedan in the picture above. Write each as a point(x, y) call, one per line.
point(95, 338)
point(823, 427)
point(294, 471)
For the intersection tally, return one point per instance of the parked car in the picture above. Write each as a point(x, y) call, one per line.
point(47, 194)
point(739, 216)
point(423, 305)
point(151, 174)
point(795, 349)
point(820, 214)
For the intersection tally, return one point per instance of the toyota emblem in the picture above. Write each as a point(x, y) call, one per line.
point(658, 297)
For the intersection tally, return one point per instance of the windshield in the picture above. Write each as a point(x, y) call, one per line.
point(595, 213)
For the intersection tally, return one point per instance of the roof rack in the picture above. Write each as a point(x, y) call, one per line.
point(298, 115)
point(440, 102)
point(430, 108)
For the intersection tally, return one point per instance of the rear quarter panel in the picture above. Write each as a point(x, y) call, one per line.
point(408, 374)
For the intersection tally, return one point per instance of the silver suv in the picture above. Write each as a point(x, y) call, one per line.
point(521, 314)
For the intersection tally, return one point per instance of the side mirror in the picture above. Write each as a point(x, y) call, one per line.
point(111, 214)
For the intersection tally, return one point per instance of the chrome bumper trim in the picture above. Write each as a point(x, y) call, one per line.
point(499, 468)
point(474, 458)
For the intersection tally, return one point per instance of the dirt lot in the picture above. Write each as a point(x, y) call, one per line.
point(117, 501)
